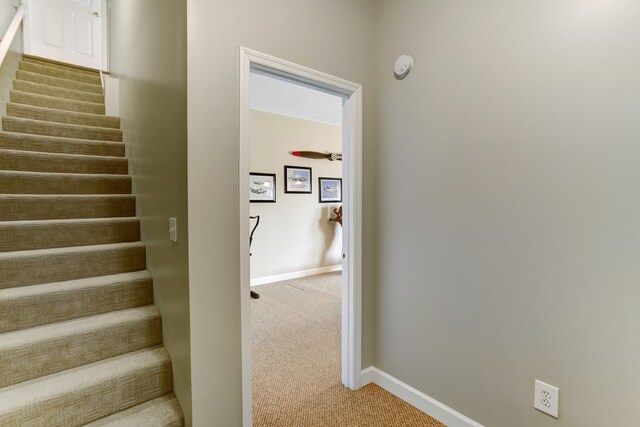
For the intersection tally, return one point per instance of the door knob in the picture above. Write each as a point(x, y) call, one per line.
point(96, 14)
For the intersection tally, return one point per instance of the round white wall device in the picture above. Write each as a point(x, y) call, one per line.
point(403, 66)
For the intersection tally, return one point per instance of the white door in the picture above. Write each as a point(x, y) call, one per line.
point(65, 30)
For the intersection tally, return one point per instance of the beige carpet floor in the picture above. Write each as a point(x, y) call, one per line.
point(296, 363)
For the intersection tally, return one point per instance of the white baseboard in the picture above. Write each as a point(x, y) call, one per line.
point(426, 404)
point(295, 275)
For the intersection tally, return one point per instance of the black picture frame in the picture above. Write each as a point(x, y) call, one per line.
point(262, 187)
point(324, 194)
point(298, 180)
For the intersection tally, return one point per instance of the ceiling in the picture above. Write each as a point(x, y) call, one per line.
point(279, 96)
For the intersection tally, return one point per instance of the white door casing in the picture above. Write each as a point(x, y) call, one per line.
point(65, 30)
point(352, 218)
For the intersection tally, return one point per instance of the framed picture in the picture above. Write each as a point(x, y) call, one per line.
point(298, 179)
point(262, 187)
point(330, 190)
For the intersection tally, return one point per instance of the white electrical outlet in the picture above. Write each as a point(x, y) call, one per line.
point(546, 398)
point(173, 230)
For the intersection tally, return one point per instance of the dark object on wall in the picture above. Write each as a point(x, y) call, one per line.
point(262, 187)
point(338, 218)
point(254, 295)
point(330, 190)
point(297, 179)
point(318, 155)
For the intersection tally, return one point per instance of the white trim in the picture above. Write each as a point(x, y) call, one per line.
point(352, 206)
point(245, 277)
point(9, 35)
point(26, 28)
point(426, 404)
point(352, 239)
point(294, 275)
point(106, 16)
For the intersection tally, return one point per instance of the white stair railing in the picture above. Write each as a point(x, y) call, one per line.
point(7, 39)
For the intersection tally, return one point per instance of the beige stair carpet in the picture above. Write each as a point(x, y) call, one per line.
point(51, 144)
point(80, 341)
point(296, 363)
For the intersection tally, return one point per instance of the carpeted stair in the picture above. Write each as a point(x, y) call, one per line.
point(80, 339)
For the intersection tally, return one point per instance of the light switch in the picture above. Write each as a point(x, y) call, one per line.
point(173, 230)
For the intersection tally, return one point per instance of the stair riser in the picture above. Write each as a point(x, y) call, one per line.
point(27, 237)
point(25, 183)
point(40, 89)
point(58, 103)
point(65, 117)
point(34, 270)
point(64, 66)
point(37, 162)
point(60, 73)
point(35, 359)
point(16, 208)
point(36, 310)
point(81, 407)
point(25, 142)
point(164, 411)
point(57, 82)
point(63, 130)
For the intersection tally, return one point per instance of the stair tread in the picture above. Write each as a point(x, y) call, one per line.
point(58, 82)
point(64, 155)
point(49, 348)
point(36, 305)
point(76, 326)
point(57, 124)
point(70, 285)
point(18, 207)
point(43, 127)
point(21, 135)
point(31, 392)
point(55, 98)
point(57, 233)
point(58, 113)
point(34, 161)
point(59, 144)
point(62, 174)
point(52, 62)
point(68, 250)
point(63, 73)
point(163, 411)
point(72, 197)
point(32, 222)
point(56, 91)
point(38, 266)
point(52, 70)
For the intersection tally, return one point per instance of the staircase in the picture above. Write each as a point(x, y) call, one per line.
point(80, 341)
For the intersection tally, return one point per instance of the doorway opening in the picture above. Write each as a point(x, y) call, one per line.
point(299, 177)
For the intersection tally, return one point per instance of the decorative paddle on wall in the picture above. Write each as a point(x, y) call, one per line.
point(318, 155)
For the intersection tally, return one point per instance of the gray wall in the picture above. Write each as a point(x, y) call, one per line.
point(333, 36)
point(7, 12)
point(148, 54)
point(508, 205)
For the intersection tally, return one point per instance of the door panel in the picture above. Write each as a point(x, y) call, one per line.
point(52, 31)
point(82, 34)
point(65, 30)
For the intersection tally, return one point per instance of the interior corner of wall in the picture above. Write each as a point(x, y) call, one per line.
point(111, 95)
